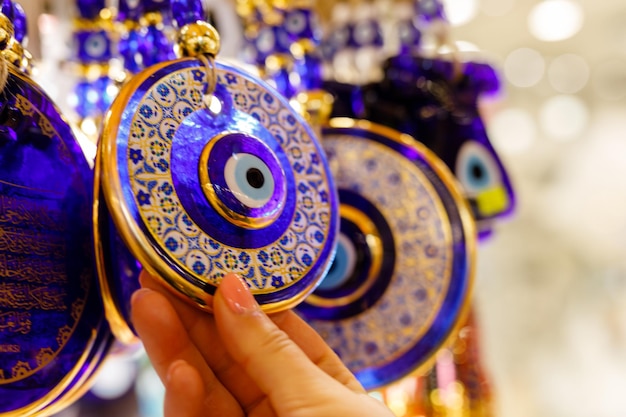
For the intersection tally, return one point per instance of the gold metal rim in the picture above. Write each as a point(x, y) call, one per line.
point(118, 323)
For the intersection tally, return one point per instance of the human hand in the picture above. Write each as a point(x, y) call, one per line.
point(239, 362)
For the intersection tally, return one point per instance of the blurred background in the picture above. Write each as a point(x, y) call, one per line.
point(550, 293)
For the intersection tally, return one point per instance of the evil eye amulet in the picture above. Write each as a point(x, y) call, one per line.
point(53, 332)
point(208, 185)
point(401, 279)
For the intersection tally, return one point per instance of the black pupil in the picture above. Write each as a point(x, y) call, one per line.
point(255, 177)
point(477, 171)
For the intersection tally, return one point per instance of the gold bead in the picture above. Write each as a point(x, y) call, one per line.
point(6, 31)
point(14, 53)
point(152, 19)
point(199, 38)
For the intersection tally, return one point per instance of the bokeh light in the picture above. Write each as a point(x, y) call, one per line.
point(115, 378)
point(524, 67)
point(564, 117)
point(555, 20)
point(568, 73)
point(460, 12)
point(512, 131)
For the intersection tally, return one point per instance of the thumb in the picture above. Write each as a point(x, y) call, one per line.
point(280, 369)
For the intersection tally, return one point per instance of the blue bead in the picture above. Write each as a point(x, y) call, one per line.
point(129, 10)
point(7, 9)
point(187, 11)
point(105, 98)
point(129, 46)
point(310, 70)
point(155, 47)
point(20, 24)
point(430, 10)
point(156, 5)
point(90, 9)
point(86, 99)
point(282, 81)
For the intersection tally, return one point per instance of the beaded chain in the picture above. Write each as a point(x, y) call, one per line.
point(13, 36)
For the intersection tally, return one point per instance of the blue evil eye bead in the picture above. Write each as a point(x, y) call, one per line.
point(20, 23)
point(53, 331)
point(430, 10)
point(199, 187)
point(366, 33)
point(482, 176)
point(247, 183)
point(187, 11)
point(302, 24)
point(93, 46)
point(409, 35)
point(401, 279)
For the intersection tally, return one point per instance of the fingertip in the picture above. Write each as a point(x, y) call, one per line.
point(184, 390)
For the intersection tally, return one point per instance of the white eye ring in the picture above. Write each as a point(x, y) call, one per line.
point(476, 168)
point(266, 41)
point(95, 45)
point(247, 194)
point(296, 23)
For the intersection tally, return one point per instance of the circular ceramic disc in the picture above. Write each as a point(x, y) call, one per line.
point(51, 314)
point(239, 186)
point(402, 275)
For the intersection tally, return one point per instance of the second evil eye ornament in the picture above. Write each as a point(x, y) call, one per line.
point(400, 282)
point(202, 184)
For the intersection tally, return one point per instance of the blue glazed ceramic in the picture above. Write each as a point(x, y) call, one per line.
point(199, 187)
point(401, 279)
point(51, 316)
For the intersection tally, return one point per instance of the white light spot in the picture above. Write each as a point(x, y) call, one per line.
point(568, 73)
point(564, 117)
point(115, 378)
point(512, 131)
point(460, 12)
point(555, 20)
point(524, 67)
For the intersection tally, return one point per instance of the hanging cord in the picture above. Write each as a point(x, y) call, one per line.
point(208, 61)
point(4, 73)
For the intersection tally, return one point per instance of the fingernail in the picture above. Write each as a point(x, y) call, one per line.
point(237, 294)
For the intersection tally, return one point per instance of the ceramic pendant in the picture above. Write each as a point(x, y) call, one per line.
point(402, 276)
point(199, 189)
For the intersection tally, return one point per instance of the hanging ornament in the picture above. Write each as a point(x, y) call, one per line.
point(401, 280)
point(93, 49)
point(53, 333)
point(206, 170)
